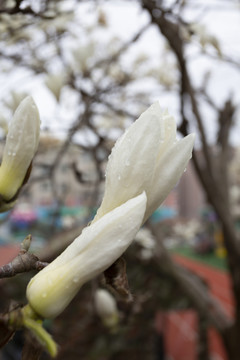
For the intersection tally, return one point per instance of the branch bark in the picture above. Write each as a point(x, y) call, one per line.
point(23, 262)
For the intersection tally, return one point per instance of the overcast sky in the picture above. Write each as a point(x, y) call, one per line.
point(125, 19)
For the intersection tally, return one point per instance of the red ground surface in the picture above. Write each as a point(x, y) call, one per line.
point(180, 327)
point(7, 253)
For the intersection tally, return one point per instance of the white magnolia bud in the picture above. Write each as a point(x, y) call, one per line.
point(147, 157)
point(20, 148)
point(55, 82)
point(99, 245)
point(106, 307)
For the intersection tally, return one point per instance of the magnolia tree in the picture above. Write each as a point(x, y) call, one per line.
point(90, 84)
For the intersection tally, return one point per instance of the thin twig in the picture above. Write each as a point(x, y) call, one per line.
point(23, 262)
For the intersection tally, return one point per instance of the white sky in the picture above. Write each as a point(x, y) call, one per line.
point(124, 19)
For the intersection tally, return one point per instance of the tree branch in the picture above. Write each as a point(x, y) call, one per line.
point(23, 262)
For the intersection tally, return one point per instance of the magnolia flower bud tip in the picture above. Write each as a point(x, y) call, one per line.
point(142, 197)
point(191, 138)
point(27, 111)
point(188, 140)
point(28, 101)
point(154, 108)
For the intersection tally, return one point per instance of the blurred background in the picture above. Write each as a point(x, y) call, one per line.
point(92, 68)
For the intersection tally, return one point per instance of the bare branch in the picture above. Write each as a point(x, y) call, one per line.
point(23, 262)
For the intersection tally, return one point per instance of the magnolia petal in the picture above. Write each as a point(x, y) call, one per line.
point(21, 145)
point(105, 303)
point(55, 82)
point(131, 164)
point(106, 307)
point(99, 245)
point(167, 133)
point(169, 169)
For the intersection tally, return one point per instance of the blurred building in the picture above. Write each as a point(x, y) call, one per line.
point(190, 195)
point(67, 177)
point(187, 199)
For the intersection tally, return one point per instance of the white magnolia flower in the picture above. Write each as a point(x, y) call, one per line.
point(83, 55)
point(204, 37)
point(106, 307)
point(55, 82)
point(99, 245)
point(145, 239)
point(15, 100)
point(144, 166)
point(20, 148)
point(147, 157)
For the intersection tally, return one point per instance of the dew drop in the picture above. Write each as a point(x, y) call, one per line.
point(9, 153)
point(44, 295)
point(11, 137)
point(185, 170)
point(127, 163)
point(75, 280)
point(14, 154)
point(119, 177)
